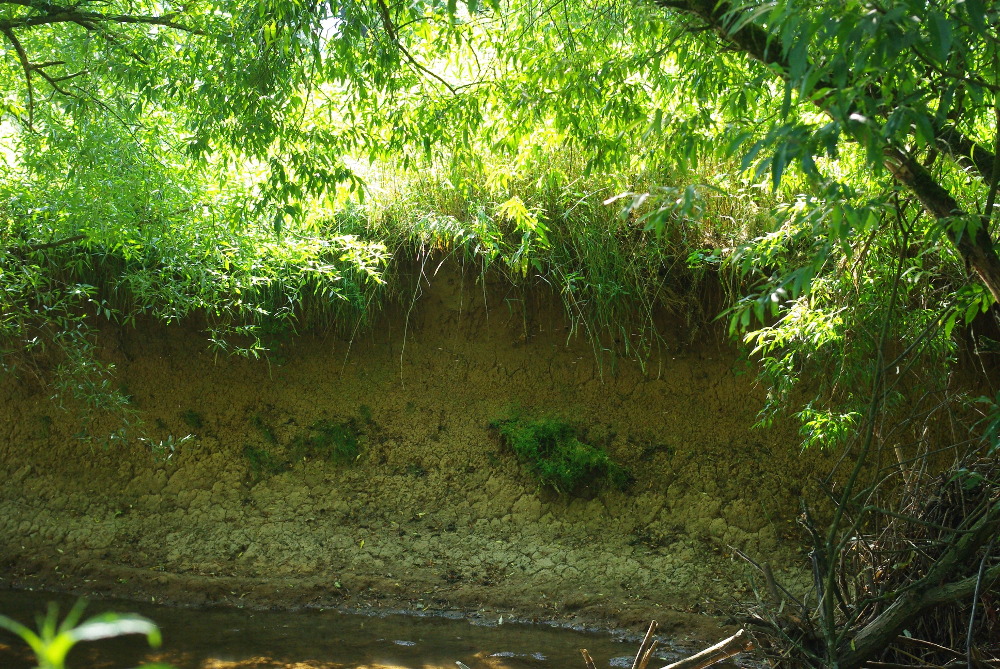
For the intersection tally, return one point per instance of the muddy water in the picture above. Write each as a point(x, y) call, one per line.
point(231, 638)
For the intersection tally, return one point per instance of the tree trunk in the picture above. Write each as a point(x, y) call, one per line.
point(878, 634)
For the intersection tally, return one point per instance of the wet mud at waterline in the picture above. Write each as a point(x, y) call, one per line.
point(424, 509)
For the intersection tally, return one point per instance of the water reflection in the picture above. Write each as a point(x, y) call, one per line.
point(238, 639)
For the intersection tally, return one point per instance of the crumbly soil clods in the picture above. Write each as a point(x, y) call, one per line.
point(435, 513)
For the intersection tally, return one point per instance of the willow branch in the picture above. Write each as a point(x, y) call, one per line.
point(88, 19)
point(54, 83)
point(31, 248)
point(755, 42)
point(114, 41)
point(994, 177)
point(22, 56)
point(959, 147)
point(393, 33)
point(413, 61)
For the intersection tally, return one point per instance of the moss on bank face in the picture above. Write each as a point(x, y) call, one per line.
point(333, 441)
point(263, 462)
point(554, 454)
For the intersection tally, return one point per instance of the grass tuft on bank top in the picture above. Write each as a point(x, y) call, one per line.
point(617, 248)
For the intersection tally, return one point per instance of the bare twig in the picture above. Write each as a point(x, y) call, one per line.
point(723, 650)
point(897, 665)
point(930, 645)
point(979, 583)
point(644, 646)
point(648, 655)
point(835, 544)
point(756, 564)
point(772, 586)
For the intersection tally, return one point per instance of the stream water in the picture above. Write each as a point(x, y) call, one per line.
point(235, 638)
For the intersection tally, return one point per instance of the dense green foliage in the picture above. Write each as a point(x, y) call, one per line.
point(208, 159)
point(888, 115)
point(553, 453)
point(264, 168)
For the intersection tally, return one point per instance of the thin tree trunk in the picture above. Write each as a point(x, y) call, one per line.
point(976, 248)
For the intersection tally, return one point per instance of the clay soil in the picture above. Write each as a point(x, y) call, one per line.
point(435, 514)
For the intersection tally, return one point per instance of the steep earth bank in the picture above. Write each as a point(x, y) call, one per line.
point(435, 513)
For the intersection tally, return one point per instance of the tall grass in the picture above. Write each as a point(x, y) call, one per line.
point(616, 248)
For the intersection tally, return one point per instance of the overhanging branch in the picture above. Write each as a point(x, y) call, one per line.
point(755, 42)
point(56, 14)
point(976, 249)
point(22, 57)
point(392, 32)
point(91, 21)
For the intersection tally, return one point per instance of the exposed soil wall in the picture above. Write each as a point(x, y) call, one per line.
point(435, 513)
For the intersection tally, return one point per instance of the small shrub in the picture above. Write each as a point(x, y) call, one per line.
point(54, 639)
point(329, 440)
point(554, 454)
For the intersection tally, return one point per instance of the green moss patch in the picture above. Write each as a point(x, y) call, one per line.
point(263, 463)
point(329, 440)
point(554, 454)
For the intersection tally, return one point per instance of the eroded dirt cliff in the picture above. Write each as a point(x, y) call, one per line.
point(435, 513)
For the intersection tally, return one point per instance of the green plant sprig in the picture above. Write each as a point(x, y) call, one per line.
point(54, 639)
